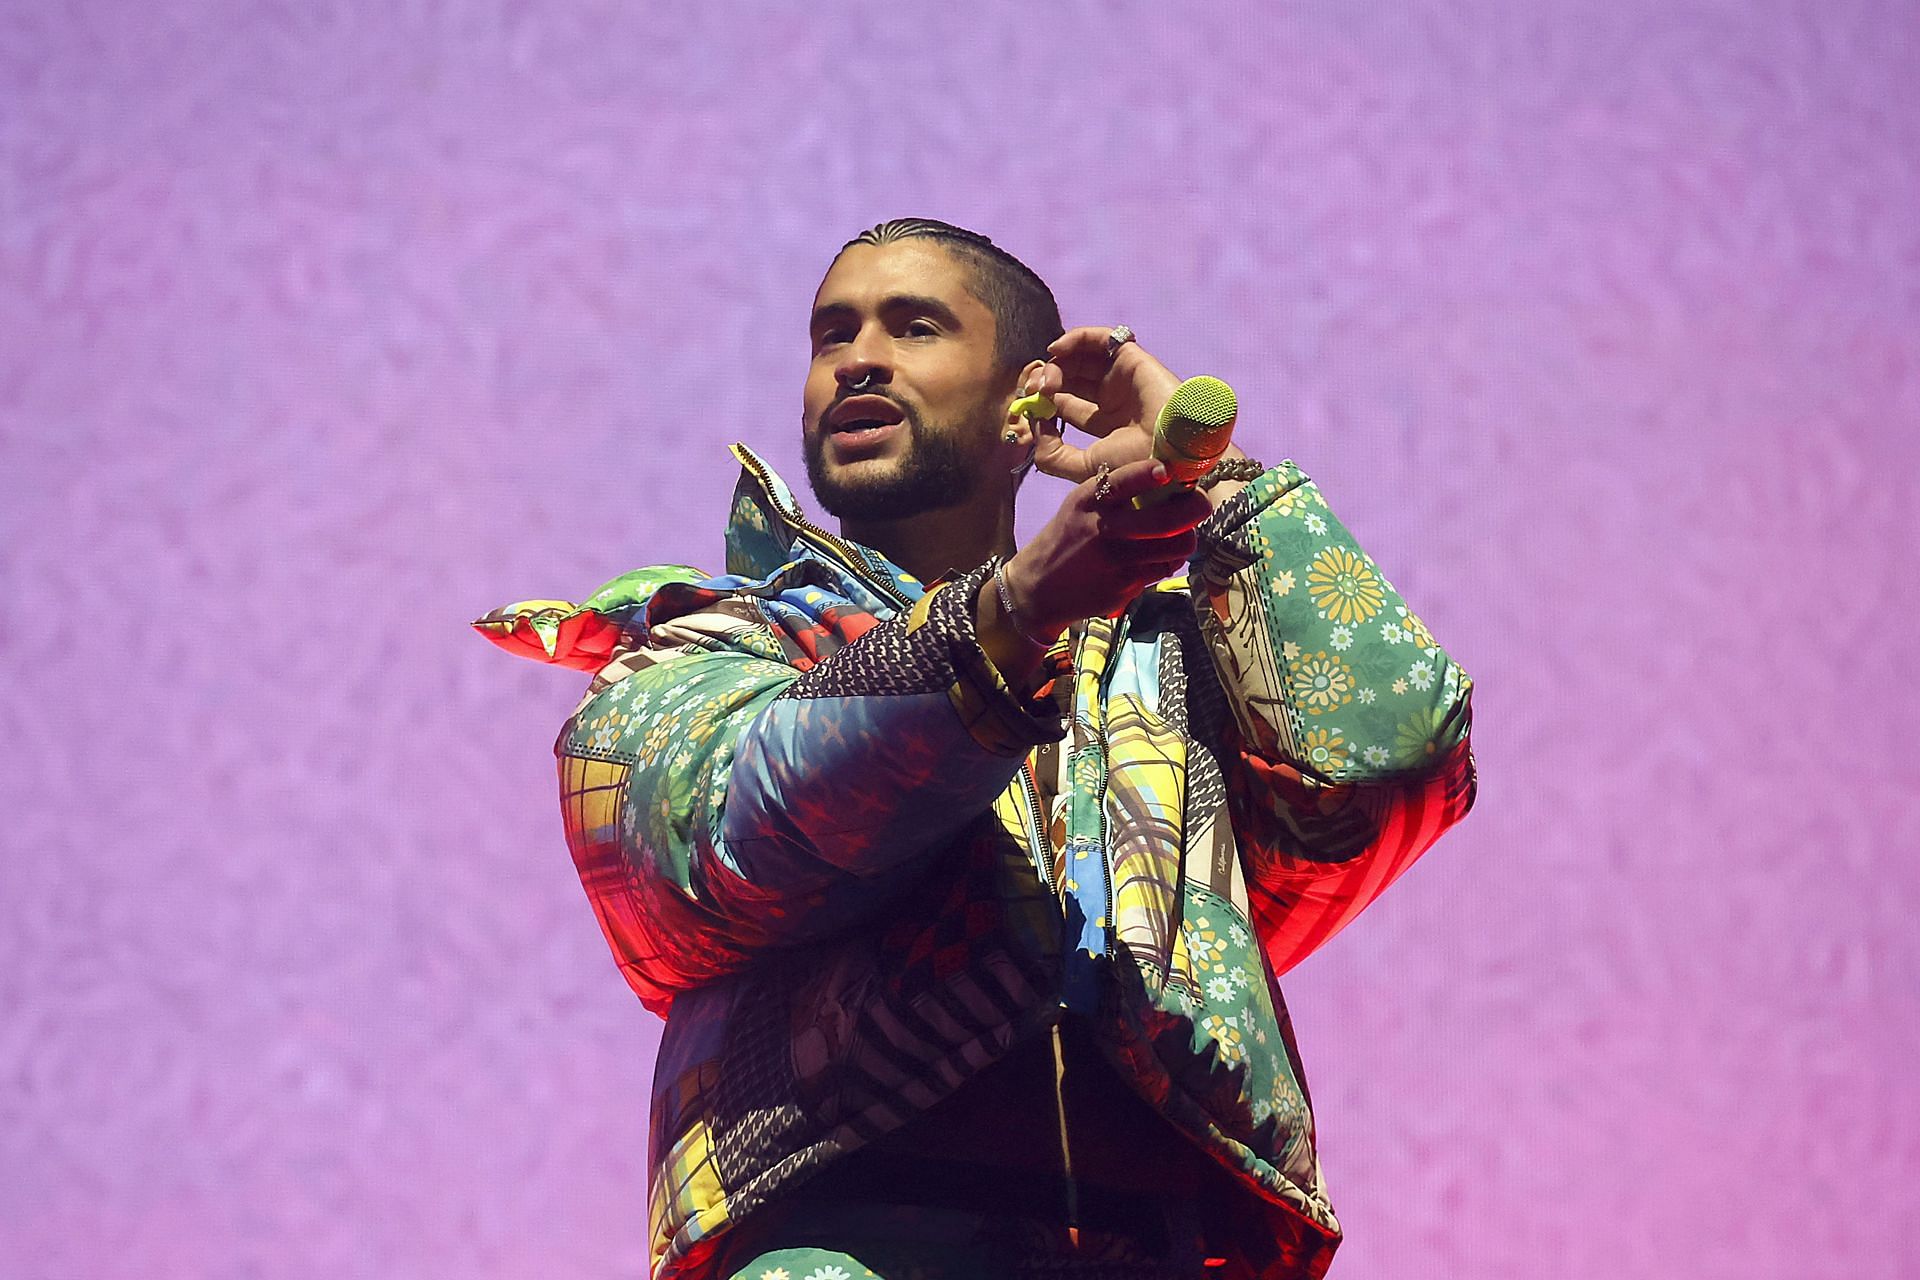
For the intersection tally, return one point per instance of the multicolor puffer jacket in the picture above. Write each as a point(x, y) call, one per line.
point(805, 808)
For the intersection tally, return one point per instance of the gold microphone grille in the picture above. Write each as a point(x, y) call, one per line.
point(1198, 418)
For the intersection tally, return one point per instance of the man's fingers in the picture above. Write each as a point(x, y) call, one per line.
point(1074, 409)
point(1181, 511)
point(1174, 547)
point(1081, 355)
point(1053, 456)
point(1045, 381)
point(1073, 392)
point(1138, 571)
point(1153, 571)
point(1080, 338)
point(1125, 483)
point(1082, 348)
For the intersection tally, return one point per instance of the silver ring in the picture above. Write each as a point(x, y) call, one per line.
point(1103, 490)
point(1118, 337)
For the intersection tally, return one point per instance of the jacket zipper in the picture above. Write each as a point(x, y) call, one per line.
point(842, 549)
point(1040, 846)
point(1108, 930)
point(1111, 930)
point(1038, 841)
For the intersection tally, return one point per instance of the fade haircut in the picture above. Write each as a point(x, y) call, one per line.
point(1025, 316)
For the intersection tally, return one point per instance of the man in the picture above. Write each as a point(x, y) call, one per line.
point(962, 873)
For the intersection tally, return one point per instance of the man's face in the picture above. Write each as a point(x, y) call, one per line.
point(902, 399)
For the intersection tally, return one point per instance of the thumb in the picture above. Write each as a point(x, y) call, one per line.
point(1055, 457)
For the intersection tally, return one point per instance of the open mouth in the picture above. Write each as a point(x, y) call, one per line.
point(861, 418)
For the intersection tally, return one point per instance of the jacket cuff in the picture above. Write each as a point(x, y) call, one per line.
point(1224, 531)
point(997, 718)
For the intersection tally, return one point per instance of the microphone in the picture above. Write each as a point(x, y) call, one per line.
point(1193, 430)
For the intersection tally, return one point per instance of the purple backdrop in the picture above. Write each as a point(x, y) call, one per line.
point(326, 327)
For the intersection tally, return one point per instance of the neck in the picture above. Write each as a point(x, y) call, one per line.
point(933, 543)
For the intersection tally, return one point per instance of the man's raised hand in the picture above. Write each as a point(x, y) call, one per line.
point(1116, 399)
point(1098, 550)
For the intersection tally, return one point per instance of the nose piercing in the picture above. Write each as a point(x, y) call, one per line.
point(860, 383)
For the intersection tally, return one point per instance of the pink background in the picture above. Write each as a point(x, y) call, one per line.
point(326, 327)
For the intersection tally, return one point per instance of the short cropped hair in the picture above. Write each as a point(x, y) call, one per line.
point(1025, 316)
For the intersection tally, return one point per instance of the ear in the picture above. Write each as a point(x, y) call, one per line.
point(1019, 434)
point(1019, 423)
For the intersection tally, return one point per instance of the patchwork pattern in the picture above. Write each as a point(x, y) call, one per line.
point(885, 662)
point(803, 805)
point(1329, 669)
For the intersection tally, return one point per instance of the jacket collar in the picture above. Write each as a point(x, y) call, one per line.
point(766, 530)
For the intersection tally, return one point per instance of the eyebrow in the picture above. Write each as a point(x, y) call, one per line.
point(919, 303)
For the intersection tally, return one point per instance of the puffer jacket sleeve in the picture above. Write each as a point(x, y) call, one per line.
point(718, 802)
point(1351, 723)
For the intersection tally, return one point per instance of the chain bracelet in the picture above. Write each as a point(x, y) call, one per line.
point(1232, 469)
point(1006, 606)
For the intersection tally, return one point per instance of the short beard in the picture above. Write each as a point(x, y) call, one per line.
point(935, 472)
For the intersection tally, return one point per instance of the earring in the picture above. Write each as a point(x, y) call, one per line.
point(1011, 435)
